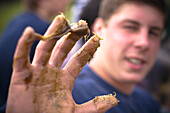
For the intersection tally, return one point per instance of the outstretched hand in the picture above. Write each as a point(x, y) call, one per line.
point(43, 86)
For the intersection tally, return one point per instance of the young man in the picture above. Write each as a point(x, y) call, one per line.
point(131, 32)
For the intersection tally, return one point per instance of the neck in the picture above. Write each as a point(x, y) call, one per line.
point(124, 87)
point(44, 15)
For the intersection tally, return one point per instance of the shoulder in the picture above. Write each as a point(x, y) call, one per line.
point(17, 25)
point(142, 96)
point(86, 86)
point(22, 19)
point(84, 81)
point(88, 79)
point(140, 92)
point(31, 19)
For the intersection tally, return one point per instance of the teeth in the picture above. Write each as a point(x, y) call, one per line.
point(135, 61)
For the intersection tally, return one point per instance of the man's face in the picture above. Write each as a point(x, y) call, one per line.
point(131, 41)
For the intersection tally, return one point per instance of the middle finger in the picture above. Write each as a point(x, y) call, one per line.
point(44, 48)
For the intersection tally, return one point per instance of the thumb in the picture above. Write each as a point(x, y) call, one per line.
point(100, 104)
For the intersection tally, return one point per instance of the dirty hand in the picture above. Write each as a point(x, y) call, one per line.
point(43, 86)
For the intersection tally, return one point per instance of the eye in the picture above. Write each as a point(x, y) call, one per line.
point(130, 28)
point(155, 34)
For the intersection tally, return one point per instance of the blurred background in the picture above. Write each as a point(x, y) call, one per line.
point(8, 9)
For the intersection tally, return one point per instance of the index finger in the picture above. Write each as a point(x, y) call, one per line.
point(44, 48)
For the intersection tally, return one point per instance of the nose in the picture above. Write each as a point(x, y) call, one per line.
point(142, 40)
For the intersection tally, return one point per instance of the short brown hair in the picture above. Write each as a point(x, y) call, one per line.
point(108, 7)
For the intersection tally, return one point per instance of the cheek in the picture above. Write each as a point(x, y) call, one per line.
point(116, 42)
point(156, 46)
point(112, 50)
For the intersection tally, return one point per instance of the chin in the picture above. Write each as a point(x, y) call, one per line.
point(134, 77)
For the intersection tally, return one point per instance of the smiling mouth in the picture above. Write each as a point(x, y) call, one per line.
point(135, 61)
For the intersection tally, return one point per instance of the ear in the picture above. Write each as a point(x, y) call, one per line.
point(98, 26)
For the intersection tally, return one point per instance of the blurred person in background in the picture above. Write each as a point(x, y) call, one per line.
point(38, 14)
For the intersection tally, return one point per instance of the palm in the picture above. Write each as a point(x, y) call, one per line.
point(43, 86)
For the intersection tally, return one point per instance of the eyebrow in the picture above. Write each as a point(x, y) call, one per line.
point(157, 28)
point(131, 21)
point(137, 23)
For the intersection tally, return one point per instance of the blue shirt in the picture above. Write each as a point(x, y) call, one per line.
point(8, 43)
point(88, 85)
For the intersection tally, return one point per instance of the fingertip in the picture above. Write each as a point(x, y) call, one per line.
point(57, 25)
point(28, 35)
point(105, 102)
point(29, 30)
point(98, 104)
